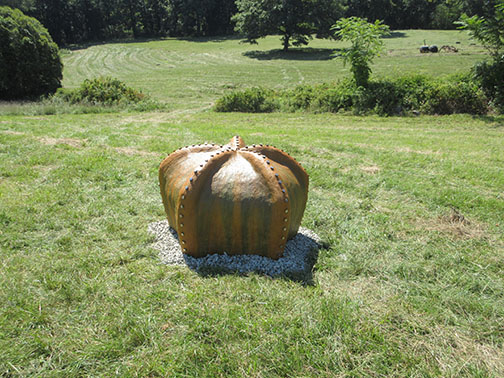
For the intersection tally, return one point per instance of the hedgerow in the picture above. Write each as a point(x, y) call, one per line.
point(404, 95)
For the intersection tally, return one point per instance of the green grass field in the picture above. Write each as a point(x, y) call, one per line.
point(411, 209)
point(193, 74)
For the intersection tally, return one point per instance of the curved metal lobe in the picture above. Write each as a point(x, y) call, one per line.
point(233, 198)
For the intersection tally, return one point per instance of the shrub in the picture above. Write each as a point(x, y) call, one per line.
point(381, 97)
point(102, 91)
point(30, 64)
point(300, 98)
point(252, 100)
point(455, 97)
point(336, 97)
point(456, 94)
point(366, 44)
point(489, 31)
point(490, 77)
point(413, 90)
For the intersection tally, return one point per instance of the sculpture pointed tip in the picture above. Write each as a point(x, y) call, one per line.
point(237, 142)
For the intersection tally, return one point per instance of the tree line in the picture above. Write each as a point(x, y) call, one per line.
point(77, 21)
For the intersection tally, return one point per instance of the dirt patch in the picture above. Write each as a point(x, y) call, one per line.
point(324, 154)
point(155, 118)
point(161, 117)
point(409, 150)
point(133, 151)
point(68, 141)
point(448, 345)
point(370, 289)
point(371, 170)
point(37, 118)
point(455, 224)
point(12, 132)
point(398, 149)
point(44, 168)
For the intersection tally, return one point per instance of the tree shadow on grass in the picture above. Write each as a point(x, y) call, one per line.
point(496, 121)
point(214, 38)
point(85, 45)
point(305, 53)
point(123, 41)
point(395, 34)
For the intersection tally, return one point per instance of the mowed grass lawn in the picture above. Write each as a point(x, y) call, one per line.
point(411, 210)
point(192, 74)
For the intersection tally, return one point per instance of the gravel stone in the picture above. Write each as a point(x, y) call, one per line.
point(298, 259)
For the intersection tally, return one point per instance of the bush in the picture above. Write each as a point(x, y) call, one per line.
point(252, 100)
point(490, 77)
point(455, 97)
point(300, 98)
point(366, 44)
point(30, 64)
point(381, 97)
point(336, 97)
point(413, 90)
point(102, 91)
point(457, 94)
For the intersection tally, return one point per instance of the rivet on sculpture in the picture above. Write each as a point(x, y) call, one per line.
point(233, 198)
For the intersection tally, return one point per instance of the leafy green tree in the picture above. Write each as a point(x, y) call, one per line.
point(324, 13)
point(200, 17)
point(373, 10)
point(294, 20)
point(366, 44)
point(30, 64)
point(480, 8)
point(23, 5)
point(488, 31)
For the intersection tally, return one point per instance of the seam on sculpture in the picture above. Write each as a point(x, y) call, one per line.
point(190, 184)
point(286, 154)
point(285, 201)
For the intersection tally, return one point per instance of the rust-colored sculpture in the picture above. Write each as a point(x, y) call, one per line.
point(233, 198)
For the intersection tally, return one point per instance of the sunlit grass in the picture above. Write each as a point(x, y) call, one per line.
point(194, 73)
point(410, 209)
point(411, 283)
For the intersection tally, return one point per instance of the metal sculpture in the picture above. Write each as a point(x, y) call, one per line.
point(233, 198)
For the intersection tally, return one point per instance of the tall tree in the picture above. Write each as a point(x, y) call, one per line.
point(488, 31)
point(53, 14)
point(294, 20)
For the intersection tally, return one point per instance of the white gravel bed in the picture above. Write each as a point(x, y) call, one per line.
point(299, 256)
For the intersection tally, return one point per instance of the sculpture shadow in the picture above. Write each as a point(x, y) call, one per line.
point(296, 264)
point(305, 53)
point(297, 267)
